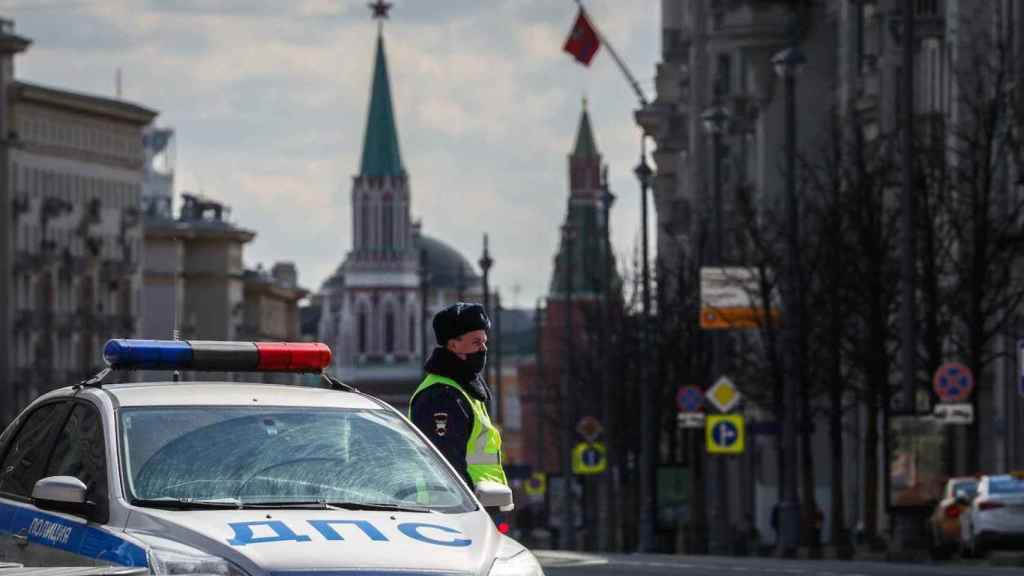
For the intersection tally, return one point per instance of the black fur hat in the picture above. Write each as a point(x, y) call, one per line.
point(458, 319)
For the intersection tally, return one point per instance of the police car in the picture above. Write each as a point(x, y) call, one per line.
point(238, 479)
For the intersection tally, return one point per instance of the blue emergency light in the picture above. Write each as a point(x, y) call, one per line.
point(208, 355)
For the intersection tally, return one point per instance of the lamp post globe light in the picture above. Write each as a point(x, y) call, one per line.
point(645, 525)
point(788, 63)
point(716, 122)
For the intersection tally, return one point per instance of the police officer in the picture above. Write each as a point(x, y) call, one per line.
point(450, 405)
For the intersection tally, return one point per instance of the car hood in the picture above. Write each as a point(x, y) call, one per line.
point(297, 542)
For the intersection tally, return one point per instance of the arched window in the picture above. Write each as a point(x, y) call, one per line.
point(364, 224)
point(388, 225)
point(362, 329)
point(412, 333)
point(389, 331)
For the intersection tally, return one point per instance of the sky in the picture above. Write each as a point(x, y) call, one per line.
point(268, 99)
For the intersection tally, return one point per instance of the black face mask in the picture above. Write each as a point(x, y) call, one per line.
point(476, 361)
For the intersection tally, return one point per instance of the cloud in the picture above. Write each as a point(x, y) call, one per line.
point(269, 102)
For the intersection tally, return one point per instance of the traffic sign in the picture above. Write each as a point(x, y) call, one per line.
point(689, 399)
point(948, 413)
point(724, 434)
point(690, 419)
point(537, 484)
point(953, 382)
point(589, 458)
point(589, 428)
point(723, 395)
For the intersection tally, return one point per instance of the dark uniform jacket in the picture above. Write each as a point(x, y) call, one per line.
point(442, 412)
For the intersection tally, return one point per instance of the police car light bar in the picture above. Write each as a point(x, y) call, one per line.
point(207, 355)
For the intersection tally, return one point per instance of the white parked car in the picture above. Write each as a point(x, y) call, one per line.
point(238, 479)
point(995, 517)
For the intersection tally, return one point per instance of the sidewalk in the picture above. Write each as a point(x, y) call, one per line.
point(866, 554)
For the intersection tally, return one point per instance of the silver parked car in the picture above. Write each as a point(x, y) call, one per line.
point(995, 517)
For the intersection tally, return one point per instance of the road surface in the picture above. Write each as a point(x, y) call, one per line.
point(558, 563)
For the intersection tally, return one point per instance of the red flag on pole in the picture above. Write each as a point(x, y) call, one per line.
point(583, 42)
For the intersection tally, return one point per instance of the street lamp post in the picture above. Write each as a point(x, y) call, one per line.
point(496, 372)
point(485, 263)
point(647, 425)
point(787, 64)
point(715, 120)
point(607, 517)
point(566, 529)
point(424, 311)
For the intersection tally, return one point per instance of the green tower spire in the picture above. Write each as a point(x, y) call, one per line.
point(381, 156)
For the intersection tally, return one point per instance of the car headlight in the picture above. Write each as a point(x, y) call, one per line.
point(514, 560)
point(167, 557)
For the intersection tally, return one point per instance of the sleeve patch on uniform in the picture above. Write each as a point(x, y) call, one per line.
point(440, 423)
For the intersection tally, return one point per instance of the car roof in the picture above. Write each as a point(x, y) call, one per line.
point(236, 394)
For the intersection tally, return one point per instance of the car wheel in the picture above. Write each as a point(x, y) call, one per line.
point(980, 548)
point(940, 551)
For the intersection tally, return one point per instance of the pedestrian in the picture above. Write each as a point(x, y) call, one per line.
point(450, 405)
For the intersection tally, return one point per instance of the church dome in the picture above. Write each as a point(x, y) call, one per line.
point(444, 263)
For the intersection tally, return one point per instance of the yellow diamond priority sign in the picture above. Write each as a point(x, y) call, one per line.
point(723, 395)
point(724, 434)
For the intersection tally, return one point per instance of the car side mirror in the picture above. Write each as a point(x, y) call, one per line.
point(494, 495)
point(62, 494)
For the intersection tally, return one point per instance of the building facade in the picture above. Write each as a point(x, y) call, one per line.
point(194, 277)
point(71, 245)
point(719, 54)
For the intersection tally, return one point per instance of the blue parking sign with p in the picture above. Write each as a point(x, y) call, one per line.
point(724, 434)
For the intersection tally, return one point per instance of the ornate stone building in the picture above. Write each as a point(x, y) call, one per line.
point(375, 309)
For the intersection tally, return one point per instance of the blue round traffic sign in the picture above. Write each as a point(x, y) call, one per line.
point(953, 382)
point(725, 434)
point(689, 399)
point(591, 457)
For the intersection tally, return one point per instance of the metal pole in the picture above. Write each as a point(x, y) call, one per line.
point(647, 444)
point(485, 265)
point(720, 502)
point(607, 541)
point(497, 359)
point(424, 312)
point(538, 385)
point(908, 346)
point(566, 530)
point(789, 509)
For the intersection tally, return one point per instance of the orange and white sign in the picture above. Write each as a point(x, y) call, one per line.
point(730, 299)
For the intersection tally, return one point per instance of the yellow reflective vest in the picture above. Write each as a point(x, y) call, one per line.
point(483, 448)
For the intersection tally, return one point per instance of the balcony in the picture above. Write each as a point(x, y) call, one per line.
point(111, 270)
point(929, 20)
point(26, 262)
point(28, 320)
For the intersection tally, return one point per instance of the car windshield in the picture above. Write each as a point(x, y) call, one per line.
point(967, 489)
point(276, 456)
point(1006, 485)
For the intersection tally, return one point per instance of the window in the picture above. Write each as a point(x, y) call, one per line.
point(80, 451)
point(22, 463)
point(388, 225)
point(362, 332)
point(389, 332)
point(364, 225)
point(275, 455)
point(412, 333)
